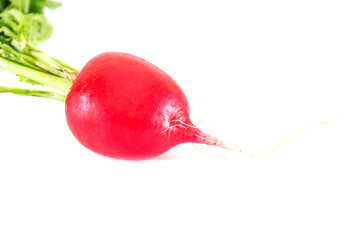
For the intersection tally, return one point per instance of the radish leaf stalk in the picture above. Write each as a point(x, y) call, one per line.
point(22, 26)
point(35, 93)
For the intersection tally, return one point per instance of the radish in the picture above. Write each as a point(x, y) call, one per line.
point(119, 105)
point(125, 107)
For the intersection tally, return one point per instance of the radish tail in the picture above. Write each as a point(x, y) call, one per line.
point(201, 137)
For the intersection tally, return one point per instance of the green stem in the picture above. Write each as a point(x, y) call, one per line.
point(47, 80)
point(36, 93)
point(40, 55)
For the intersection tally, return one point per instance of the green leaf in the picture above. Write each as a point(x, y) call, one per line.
point(4, 4)
point(53, 4)
point(22, 5)
point(11, 19)
point(35, 28)
point(29, 6)
point(37, 6)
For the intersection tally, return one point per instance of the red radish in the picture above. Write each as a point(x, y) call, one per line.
point(119, 105)
point(125, 107)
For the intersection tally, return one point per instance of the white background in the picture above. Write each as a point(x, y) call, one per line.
point(255, 72)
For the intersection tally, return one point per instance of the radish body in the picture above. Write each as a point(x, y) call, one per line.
point(125, 107)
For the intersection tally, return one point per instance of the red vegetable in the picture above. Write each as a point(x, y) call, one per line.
point(119, 105)
point(125, 107)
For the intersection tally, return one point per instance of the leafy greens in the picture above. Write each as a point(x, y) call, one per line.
point(22, 27)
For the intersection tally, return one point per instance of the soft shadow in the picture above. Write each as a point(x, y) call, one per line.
point(171, 154)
